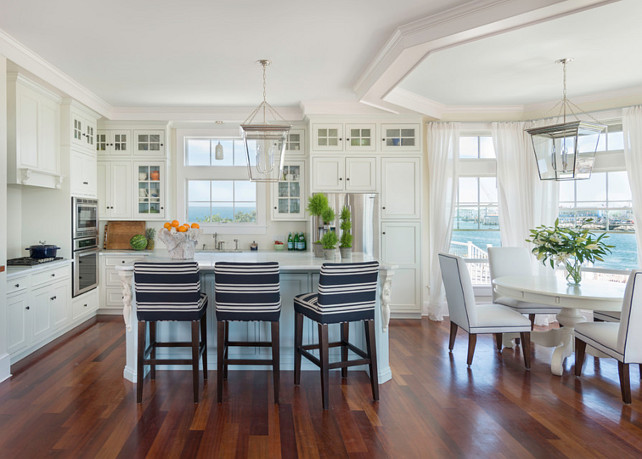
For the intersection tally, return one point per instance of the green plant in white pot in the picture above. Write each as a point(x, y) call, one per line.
point(345, 243)
point(317, 203)
point(329, 242)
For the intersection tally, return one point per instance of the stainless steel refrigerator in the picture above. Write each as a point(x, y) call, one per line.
point(364, 209)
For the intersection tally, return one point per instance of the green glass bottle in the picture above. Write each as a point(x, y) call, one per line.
point(290, 242)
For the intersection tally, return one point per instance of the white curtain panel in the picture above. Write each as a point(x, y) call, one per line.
point(442, 146)
point(632, 130)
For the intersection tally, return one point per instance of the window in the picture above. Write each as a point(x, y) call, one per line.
point(217, 193)
point(476, 218)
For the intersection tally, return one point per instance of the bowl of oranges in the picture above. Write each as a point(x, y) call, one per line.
point(180, 239)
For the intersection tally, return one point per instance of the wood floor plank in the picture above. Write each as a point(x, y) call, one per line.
point(72, 401)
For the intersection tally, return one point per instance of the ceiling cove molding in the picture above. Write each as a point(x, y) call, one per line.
point(53, 76)
point(411, 43)
point(325, 107)
point(229, 114)
point(420, 104)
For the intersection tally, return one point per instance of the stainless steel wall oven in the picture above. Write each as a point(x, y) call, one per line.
point(84, 244)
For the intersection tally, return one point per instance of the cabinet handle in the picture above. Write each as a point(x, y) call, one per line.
point(274, 207)
point(85, 183)
point(85, 305)
point(340, 178)
point(53, 274)
point(348, 178)
point(27, 308)
point(384, 207)
point(383, 232)
point(122, 261)
point(162, 208)
point(161, 144)
point(18, 285)
point(52, 298)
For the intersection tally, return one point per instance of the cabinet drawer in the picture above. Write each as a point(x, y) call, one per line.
point(114, 297)
point(50, 275)
point(85, 303)
point(124, 260)
point(18, 284)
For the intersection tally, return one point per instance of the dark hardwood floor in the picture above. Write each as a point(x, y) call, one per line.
point(74, 402)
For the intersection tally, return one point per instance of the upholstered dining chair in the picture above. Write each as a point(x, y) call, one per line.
point(515, 261)
point(474, 318)
point(607, 316)
point(622, 341)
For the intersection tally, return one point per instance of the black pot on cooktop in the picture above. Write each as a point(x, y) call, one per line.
point(43, 250)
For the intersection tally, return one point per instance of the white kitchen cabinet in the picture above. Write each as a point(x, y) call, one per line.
point(113, 143)
point(288, 193)
point(149, 142)
point(110, 285)
point(295, 143)
point(401, 246)
point(18, 330)
point(85, 305)
point(400, 188)
point(115, 189)
point(327, 137)
point(351, 137)
point(354, 174)
point(149, 190)
point(83, 131)
point(360, 137)
point(33, 134)
point(400, 137)
point(83, 175)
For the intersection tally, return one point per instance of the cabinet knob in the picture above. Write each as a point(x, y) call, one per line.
point(85, 305)
point(162, 208)
point(161, 144)
point(347, 178)
point(85, 183)
point(53, 274)
point(340, 178)
point(383, 140)
point(274, 207)
point(384, 207)
point(52, 298)
point(122, 261)
point(18, 285)
point(27, 308)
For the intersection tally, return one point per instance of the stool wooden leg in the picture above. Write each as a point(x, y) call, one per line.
point(220, 347)
point(345, 332)
point(325, 364)
point(526, 348)
point(372, 355)
point(531, 317)
point(580, 349)
point(204, 340)
point(498, 341)
point(139, 364)
point(227, 349)
point(625, 384)
point(195, 358)
point(298, 342)
point(276, 361)
point(152, 342)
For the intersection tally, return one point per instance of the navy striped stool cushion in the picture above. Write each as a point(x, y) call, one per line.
point(347, 292)
point(247, 291)
point(168, 291)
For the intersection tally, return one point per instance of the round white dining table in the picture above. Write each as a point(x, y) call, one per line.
point(553, 291)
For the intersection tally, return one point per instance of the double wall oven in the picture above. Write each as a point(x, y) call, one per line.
point(84, 244)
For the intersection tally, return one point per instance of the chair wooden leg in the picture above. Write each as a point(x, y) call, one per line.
point(298, 342)
point(498, 341)
point(204, 341)
point(345, 333)
point(526, 348)
point(152, 341)
point(640, 371)
point(276, 362)
point(371, 348)
point(580, 349)
point(325, 364)
point(625, 384)
point(220, 348)
point(531, 317)
point(195, 358)
point(453, 335)
point(227, 349)
point(472, 341)
point(140, 367)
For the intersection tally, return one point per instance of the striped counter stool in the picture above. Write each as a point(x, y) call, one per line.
point(246, 292)
point(347, 293)
point(169, 291)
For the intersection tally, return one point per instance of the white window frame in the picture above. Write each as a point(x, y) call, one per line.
point(185, 173)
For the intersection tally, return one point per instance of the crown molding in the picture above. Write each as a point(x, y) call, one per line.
point(49, 75)
point(411, 43)
point(229, 114)
point(337, 107)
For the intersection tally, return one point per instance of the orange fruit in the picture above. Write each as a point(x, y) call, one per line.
point(195, 225)
point(175, 223)
point(182, 229)
point(167, 225)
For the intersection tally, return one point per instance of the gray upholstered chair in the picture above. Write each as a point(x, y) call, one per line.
point(474, 318)
point(622, 341)
point(606, 316)
point(515, 261)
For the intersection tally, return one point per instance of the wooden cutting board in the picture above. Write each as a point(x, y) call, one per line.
point(119, 234)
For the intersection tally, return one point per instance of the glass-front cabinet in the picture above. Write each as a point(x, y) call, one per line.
point(288, 193)
point(360, 137)
point(295, 144)
point(400, 137)
point(150, 190)
point(149, 142)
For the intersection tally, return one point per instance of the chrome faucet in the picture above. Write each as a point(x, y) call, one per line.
point(221, 245)
point(236, 244)
point(215, 236)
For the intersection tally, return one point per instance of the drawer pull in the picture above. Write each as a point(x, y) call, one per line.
point(52, 298)
point(17, 286)
point(53, 274)
point(122, 261)
point(85, 305)
point(27, 308)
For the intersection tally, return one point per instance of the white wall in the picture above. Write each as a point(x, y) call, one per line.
point(15, 248)
point(4, 357)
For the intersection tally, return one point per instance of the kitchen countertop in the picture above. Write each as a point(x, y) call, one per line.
point(16, 271)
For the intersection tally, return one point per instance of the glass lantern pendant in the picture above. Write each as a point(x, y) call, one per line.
point(566, 151)
point(265, 142)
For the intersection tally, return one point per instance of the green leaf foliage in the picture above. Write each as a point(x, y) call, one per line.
point(317, 204)
point(346, 226)
point(327, 215)
point(329, 240)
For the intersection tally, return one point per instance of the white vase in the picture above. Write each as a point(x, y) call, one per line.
point(346, 253)
point(329, 254)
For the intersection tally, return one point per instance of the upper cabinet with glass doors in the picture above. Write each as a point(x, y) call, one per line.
point(149, 142)
point(113, 142)
point(295, 145)
point(344, 137)
point(287, 193)
point(400, 137)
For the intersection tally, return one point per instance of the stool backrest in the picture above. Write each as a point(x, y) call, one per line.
point(348, 287)
point(247, 288)
point(629, 340)
point(170, 286)
point(460, 295)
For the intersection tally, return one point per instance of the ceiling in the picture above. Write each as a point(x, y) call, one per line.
point(201, 53)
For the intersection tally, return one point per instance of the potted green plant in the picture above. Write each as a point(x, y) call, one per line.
point(317, 203)
point(327, 216)
point(568, 246)
point(329, 242)
point(345, 246)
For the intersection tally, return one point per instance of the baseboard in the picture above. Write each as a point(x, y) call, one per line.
point(5, 367)
point(110, 312)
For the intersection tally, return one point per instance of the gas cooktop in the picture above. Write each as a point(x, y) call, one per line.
point(28, 261)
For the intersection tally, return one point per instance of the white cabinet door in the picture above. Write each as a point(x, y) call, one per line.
point(149, 142)
point(27, 128)
point(400, 187)
point(121, 190)
point(149, 190)
point(48, 136)
point(288, 194)
point(361, 137)
point(41, 312)
point(112, 143)
point(400, 137)
point(60, 303)
point(85, 304)
point(104, 189)
point(295, 144)
point(83, 175)
point(327, 137)
point(18, 315)
point(361, 174)
point(401, 246)
point(328, 173)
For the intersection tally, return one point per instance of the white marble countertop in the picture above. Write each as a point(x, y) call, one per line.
point(288, 261)
point(17, 271)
